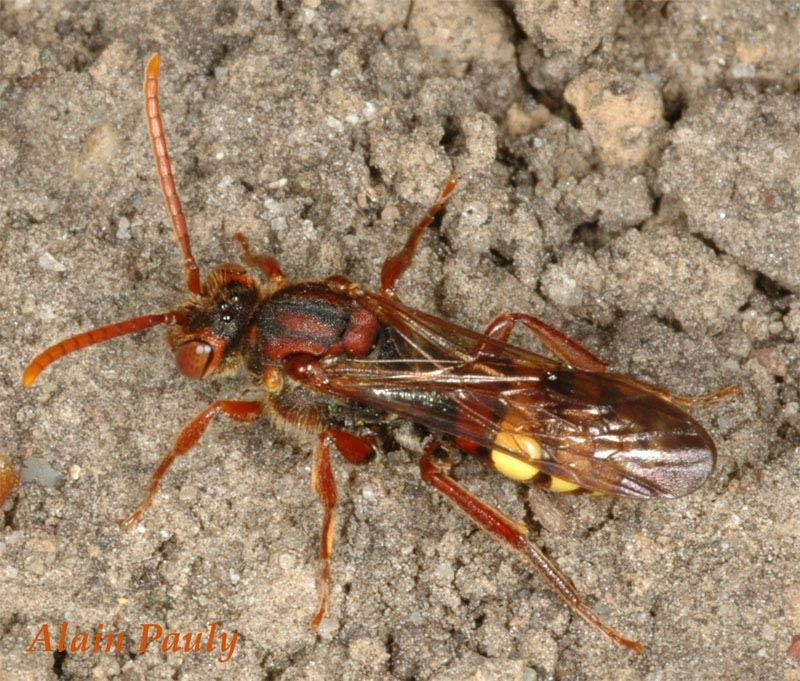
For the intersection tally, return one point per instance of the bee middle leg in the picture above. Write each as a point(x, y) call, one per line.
point(356, 450)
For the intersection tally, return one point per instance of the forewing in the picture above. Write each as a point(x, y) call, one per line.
point(596, 430)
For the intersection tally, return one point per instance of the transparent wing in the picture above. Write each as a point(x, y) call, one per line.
point(598, 430)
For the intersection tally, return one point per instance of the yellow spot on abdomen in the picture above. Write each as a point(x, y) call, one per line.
point(511, 466)
point(517, 468)
point(561, 485)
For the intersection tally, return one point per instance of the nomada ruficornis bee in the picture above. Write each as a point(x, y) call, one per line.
point(567, 424)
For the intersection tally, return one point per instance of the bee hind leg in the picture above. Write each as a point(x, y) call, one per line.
point(577, 356)
point(435, 472)
point(689, 401)
point(564, 347)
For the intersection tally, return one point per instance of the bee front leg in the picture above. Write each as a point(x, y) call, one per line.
point(190, 435)
point(435, 472)
point(356, 450)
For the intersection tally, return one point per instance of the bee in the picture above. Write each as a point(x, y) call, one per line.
point(335, 359)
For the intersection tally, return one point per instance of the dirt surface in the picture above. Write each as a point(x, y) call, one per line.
point(629, 172)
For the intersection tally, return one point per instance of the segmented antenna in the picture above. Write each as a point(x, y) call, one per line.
point(92, 337)
point(158, 140)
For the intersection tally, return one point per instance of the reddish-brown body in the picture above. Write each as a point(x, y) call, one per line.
point(316, 347)
point(8, 478)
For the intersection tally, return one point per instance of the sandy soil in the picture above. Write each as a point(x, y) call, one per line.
point(629, 173)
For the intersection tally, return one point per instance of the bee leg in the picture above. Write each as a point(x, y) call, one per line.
point(266, 263)
point(708, 398)
point(356, 450)
point(188, 438)
point(435, 472)
point(395, 265)
point(688, 401)
point(574, 354)
point(564, 347)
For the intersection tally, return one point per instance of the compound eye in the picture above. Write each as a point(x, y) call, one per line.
point(193, 358)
